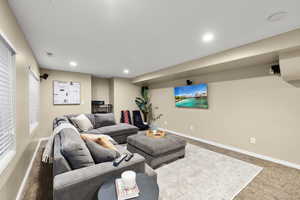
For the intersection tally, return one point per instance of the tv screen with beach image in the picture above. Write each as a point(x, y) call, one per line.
point(191, 96)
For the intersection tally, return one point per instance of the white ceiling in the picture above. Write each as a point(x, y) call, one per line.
point(106, 36)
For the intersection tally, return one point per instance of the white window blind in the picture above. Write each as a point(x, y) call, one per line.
point(7, 104)
point(34, 100)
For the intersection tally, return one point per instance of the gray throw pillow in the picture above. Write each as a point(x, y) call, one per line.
point(74, 124)
point(89, 116)
point(74, 149)
point(82, 122)
point(101, 154)
point(106, 119)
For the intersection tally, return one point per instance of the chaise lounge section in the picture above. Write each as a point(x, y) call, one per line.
point(102, 124)
point(118, 132)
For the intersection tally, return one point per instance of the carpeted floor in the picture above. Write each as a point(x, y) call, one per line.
point(39, 184)
point(274, 182)
point(204, 174)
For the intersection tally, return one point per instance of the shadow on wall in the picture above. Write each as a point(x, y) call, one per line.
point(228, 75)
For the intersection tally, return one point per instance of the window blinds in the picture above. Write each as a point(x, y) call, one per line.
point(7, 103)
point(34, 100)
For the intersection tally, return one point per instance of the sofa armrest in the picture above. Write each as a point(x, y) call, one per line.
point(83, 184)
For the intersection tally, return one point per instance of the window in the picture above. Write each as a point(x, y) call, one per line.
point(34, 100)
point(7, 103)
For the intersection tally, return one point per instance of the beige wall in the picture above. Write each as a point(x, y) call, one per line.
point(11, 177)
point(289, 65)
point(124, 93)
point(50, 111)
point(118, 91)
point(111, 91)
point(240, 107)
point(100, 89)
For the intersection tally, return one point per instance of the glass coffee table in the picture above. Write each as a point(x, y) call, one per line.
point(147, 185)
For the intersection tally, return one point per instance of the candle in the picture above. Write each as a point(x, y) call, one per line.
point(128, 178)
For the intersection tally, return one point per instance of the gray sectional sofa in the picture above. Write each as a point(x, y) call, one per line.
point(104, 124)
point(83, 183)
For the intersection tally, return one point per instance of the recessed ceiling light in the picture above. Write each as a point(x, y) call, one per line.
point(126, 71)
point(277, 16)
point(208, 37)
point(73, 64)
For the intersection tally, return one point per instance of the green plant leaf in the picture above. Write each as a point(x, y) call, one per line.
point(140, 99)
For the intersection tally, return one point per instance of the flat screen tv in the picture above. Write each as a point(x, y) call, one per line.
point(191, 96)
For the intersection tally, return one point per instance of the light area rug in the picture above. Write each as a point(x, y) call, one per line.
point(204, 175)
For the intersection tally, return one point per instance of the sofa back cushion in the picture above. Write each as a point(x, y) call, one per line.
point(74, 149)
point(60, 164)
point(101, 154)
point(82, 122)
point(105, 119)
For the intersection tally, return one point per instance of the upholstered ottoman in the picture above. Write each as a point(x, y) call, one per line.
point(157, 150)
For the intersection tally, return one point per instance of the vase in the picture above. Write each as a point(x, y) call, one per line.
point(153, 127)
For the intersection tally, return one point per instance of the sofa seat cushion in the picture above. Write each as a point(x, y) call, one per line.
point(156, 146)
point(74, 149)
point(115, 130)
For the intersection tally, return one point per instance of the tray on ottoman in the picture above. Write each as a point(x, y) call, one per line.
point(157, 150)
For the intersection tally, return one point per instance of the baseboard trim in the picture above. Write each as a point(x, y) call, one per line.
point(23, 183)
point(263, 157)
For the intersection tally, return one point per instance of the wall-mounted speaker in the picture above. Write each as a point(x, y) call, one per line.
point(44, 76)
point(189, 82)
point(275, 69)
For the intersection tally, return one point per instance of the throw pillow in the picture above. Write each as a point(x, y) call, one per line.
point(74, 149)
point(106, 119)
point(101, 154)
point(71, 122)
point(82, 122)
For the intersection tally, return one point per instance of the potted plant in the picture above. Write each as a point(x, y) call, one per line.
point(152, 119)
point(145, 107)
point(143, 102)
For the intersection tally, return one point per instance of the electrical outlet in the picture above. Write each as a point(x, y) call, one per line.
point(166, 123)
point(253, 140)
